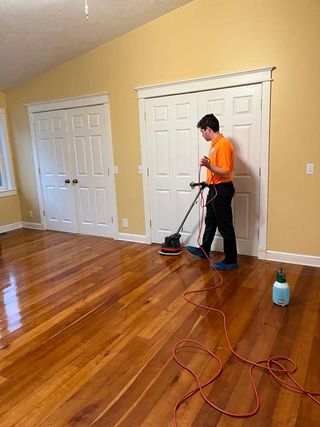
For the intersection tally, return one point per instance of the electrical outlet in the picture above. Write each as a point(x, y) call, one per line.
point(309, 168)
point(124, 222)
point(140, 169)
point(116, 170)
point(30, 214)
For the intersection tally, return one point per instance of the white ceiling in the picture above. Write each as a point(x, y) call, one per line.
point(36, 35)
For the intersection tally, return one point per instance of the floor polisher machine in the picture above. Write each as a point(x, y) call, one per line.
point(172, 245)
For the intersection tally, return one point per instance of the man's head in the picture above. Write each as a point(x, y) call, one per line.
point(208, 125)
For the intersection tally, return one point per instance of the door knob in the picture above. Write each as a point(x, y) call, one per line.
point(75, 181)
point(67, 181)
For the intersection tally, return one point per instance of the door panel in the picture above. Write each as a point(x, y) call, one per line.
point(173, 159)
point(54, 160)
point(73, 144)
point(239, 113)
point(88, 139)
point(174, 146)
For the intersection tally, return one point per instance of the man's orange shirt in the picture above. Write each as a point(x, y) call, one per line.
point(221, 154)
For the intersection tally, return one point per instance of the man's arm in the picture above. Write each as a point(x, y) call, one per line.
point(204, 161)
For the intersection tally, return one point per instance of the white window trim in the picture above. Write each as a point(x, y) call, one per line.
point(262, 76)
point(9, 188)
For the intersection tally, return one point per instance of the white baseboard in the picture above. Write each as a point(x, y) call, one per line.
point(309, 260)
point(262, 251)
point(17, 225)
point(313, 261)
point(138, 238)
point(10, 227)
point(33, 225)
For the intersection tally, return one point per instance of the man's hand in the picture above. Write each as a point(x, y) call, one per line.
point(204, 161)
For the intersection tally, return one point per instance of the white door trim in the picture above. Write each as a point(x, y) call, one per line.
point(62, 104)
point(240, 78)
point(262, 76)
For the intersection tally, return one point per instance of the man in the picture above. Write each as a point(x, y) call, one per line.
point(219, 164)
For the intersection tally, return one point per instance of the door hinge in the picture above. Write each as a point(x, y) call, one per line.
point(145, 116)
point(147, 171)
point(108, 172)
point(112, 219)
point(44, 212)
point(261, 103)
point(150, 223)
point(39, 171)
point(259, 171)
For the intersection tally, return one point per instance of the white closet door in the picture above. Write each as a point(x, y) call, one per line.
point(90, 157)
point(239, 113)
point(55, 171)
point(173, 164)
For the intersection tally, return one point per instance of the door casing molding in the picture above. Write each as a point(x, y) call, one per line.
point(63, 104)
point(262, 76)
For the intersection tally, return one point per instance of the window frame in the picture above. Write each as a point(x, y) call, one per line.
point(8, 187)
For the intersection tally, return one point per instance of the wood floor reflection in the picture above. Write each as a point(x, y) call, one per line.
point(87, 327)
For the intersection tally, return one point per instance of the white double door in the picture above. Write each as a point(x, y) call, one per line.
point(75, 160)
point(174, 147)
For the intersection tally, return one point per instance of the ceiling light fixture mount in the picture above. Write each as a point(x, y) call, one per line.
point(86, 9)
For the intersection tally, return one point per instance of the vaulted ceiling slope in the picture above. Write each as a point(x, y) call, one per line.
point(37, 35)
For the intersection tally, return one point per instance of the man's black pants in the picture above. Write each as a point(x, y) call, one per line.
point(219, 214)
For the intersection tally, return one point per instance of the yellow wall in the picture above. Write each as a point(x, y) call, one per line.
point(204, 37)
point(9, 205)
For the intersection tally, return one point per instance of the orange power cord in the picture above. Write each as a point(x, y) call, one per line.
point(273, 365)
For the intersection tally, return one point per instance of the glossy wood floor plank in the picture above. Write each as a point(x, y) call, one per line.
point(87, 327)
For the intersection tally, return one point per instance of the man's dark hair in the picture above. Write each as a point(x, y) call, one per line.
point(209, 121)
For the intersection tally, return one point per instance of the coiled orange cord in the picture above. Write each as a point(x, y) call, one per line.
point(273, 365)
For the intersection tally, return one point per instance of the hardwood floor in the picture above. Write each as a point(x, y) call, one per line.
point(88, 325)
